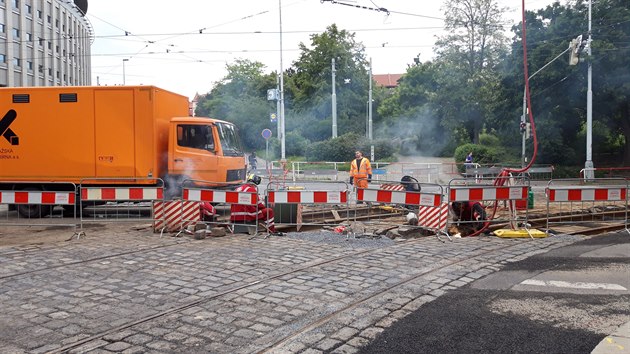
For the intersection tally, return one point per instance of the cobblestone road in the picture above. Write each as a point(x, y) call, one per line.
point(132, 291)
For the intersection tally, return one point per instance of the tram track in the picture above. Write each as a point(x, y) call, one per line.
point(308, 326)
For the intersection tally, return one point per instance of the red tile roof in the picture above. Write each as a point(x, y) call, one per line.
point(387, 80)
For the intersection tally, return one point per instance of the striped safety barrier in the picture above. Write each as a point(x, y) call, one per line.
point(216, 196)
point(487, 193)
point(576, 202)
point(432, 217)
point(586, 194)
point(37, 197)
point(392, 187)
point(123, 193)
point(398, 197)
point(307, 197)
point(174, 215)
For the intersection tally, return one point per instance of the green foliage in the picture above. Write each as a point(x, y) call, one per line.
point(486, 139)
point(483, 155)
point(295, 144)
point(343, 147)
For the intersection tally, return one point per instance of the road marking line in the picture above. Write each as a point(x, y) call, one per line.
point(575, 285)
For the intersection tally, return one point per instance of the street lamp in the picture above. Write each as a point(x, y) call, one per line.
point(124, 60)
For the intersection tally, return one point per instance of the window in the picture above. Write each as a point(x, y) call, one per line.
point(29, 8)
point(3, 58)
point(40, 14)
point(1, 28)
point(16, 33)
point(29, 37)
point(16, 62)
point(29, 65)
point(195, 136)
point(16, 4)
point(41, 68)
point(230, 141)
point(49, 19)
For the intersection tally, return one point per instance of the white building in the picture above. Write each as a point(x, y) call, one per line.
point(44, 43)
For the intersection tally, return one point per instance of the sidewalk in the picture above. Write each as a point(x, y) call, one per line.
point(618, 342)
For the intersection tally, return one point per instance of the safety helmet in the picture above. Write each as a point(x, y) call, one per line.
point(255, 179)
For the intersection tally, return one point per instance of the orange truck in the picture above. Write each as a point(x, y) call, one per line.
point(110, 135)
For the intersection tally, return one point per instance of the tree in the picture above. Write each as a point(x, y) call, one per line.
point(471, 52)
point(559, 91)
point(241, 98)
point(309, 85)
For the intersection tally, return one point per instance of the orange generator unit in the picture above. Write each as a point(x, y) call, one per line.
point(110, 135)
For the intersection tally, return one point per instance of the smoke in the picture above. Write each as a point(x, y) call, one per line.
point(416, 134)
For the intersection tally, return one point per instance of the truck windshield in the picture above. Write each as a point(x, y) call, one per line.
point(230, 141)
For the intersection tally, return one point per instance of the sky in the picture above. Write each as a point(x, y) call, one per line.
point(184, 46)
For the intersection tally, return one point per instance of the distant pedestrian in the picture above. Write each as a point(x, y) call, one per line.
point(360, 170)
point(469, 159)
point(252, 160)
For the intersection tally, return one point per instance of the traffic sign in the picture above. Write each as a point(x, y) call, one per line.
point(266, 133)
point(273, 118)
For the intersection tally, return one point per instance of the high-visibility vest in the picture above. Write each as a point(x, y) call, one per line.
point(360, 171)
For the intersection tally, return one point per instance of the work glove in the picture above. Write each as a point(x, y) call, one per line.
point(369, 178)
point(351, 180)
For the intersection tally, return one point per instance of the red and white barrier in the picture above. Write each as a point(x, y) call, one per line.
point(37, 197)
point(307, 197)
point(174, 215)
point(432, 217)
point(586, 194)
point(487, 193)
point(391, 187)
point(120, 194)
point(219, 196)
point(573, 202)
point(398, 197)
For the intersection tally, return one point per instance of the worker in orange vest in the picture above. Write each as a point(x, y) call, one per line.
point(360, 170)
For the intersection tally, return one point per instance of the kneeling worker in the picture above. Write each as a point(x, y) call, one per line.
point(244, 213)
point(471, 214)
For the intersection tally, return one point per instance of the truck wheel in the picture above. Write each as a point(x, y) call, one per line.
point(32, 211)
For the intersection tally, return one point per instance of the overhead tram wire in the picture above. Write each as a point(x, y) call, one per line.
point(379, 9)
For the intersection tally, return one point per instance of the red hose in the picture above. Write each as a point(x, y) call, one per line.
point(505, 173)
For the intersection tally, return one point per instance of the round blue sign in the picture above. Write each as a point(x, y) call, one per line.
point(266, 133)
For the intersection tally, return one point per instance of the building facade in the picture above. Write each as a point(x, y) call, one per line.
point(44, 43)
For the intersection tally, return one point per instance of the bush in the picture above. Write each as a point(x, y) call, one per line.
point(343, 147)
point(482, 155)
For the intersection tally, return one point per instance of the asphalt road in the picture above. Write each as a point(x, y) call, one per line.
point(563, 301)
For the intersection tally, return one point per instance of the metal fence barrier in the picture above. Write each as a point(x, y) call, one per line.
point(129, 200)
point(487, 201)
point(391, 202)
point(56, 206)
point(309, 203)
point(599, 202)
point(236, 210)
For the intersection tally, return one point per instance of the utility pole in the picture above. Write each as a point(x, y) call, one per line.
point(334, 102)
point(370, 114)
point(124, 76)
point(589, 174)
point(281, 113)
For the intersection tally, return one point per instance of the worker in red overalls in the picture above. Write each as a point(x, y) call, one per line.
point(360, 171)
point(469, 213)
point(241, 213)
